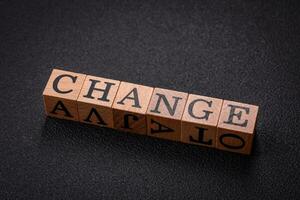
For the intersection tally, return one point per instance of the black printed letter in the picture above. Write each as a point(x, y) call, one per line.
point(105, 91)
point(135, 98)
point(232, 136)
point(57, 79)
point(238, 115)
point(100, 120)
point(191, 107)
point(161, 128)
point(126, 120)
point(61, 107)
point(201, 137)
point(163, 97)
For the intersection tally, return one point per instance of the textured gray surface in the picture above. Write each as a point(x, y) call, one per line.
point(246, 51)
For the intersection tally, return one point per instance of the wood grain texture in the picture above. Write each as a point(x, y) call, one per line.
point(200, 119)
point(130, 107)
point(236, 127)
point(95, 101)
point(164, 114)
point(61, 92)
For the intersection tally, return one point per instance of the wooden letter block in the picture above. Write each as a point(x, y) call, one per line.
point(130, 107)
point(61, 93)
point(95, 101)
point(200, 119)
point(236, 127)
point(164, 114)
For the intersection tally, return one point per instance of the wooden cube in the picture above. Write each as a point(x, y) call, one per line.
point(200, 119)
point(164, 114)
point(130, 107)
point(95, 101)
point(236, 127)
point(61, 92)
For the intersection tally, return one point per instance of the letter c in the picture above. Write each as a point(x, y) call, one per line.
point(57, 79)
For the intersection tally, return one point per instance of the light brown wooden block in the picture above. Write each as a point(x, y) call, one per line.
point(164, 114)
point(61, 92)
point(236, 127)
point(200, 119)
point(130, 107)
point(95, 101)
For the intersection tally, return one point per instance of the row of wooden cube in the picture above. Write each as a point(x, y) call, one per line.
point(156, 112)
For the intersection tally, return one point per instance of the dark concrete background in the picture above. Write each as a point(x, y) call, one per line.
point(246, 51)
